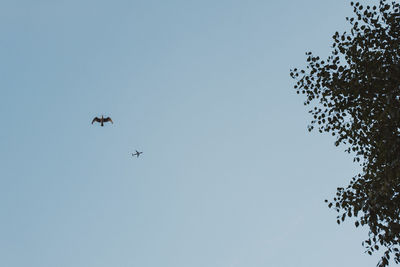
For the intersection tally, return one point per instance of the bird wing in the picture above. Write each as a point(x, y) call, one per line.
point(108, 119)
point(96, 119)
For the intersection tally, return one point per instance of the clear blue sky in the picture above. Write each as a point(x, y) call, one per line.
point(229, 176)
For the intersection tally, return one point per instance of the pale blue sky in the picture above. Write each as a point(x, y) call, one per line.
point(229, 177)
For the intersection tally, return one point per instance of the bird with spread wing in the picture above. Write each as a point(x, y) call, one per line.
point(102, 120)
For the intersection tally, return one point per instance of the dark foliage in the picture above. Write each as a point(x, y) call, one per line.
point(355, 95)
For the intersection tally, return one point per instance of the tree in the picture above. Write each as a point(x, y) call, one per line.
point(355, 95)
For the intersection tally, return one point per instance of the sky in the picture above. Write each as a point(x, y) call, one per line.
point(229, 175)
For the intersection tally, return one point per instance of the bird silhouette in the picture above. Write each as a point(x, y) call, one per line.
point(137, 154)
point(102, 120)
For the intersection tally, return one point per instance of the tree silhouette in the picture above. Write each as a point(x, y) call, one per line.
point(354, 94)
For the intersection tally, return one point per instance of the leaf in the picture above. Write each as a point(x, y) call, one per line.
point(354, 95)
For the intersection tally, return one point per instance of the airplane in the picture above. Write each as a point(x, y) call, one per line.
point(102, 120)
point(136, 154)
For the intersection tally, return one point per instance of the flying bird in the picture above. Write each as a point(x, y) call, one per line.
point(102, 120)
point(136, 154)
